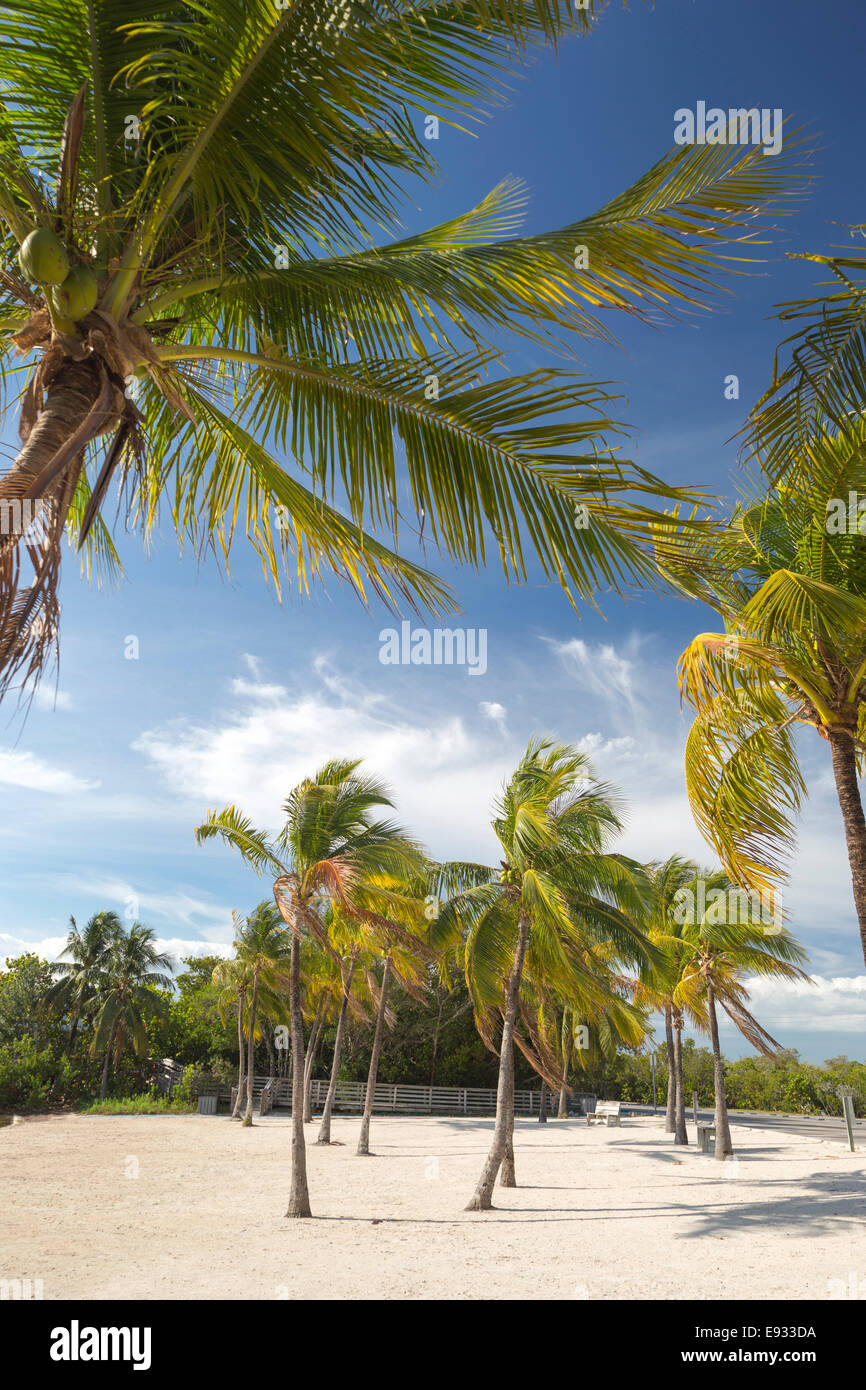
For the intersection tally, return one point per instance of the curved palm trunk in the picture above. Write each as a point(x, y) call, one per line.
point(851, 805)
point(507, 1174)
point(670, 1109)
point(251, 1050)
point(325, 1127)
point(562, 1108)
point(680, 1133)
point(236, 1108)
point(724, 1146)
point(299, 1198)
point(364, 1137)
point(310, 1059)
point(482, 1199)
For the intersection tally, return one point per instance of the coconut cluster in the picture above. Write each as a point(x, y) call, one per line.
point(71, 291)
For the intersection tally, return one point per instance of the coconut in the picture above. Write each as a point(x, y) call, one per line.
point(43, 258)
point(75, 298)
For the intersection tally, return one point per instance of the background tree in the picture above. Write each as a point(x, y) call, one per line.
point(328, 847)
point(125, 995)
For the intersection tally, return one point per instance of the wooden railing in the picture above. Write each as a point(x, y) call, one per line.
point(276, 1092)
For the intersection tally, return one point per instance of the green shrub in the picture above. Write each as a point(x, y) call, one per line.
point(31, 1078)
point(138, 1105)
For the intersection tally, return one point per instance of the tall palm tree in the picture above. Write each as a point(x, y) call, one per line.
point(717, 951)
point(328, 847)
point(557, 885)
point(790, 586)
point(79, 974)
point(232, 977)
point(216, 177)
point(669, 880)
point(263, 948)
point(130, 972)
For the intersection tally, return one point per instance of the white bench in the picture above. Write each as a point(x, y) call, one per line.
point(606, 1113)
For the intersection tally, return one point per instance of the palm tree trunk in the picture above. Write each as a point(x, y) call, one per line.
point(272, 1060)
point(310, 1059)
point(236, 1108)
point(251, 1050)
point(299, 1198)
point(542, 1103)
point(482, 1199)
point(104, 1086)
point(680, 1132)
point(848, 792)
point(364, 1137)
point(325, 1127)
point(724, 1146)
point(670, 1110)
point(507, 1174)
point(562, 1108)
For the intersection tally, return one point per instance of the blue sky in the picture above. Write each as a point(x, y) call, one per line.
point(234, 697)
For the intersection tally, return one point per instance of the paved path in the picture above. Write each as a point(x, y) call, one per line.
point(810, 1126)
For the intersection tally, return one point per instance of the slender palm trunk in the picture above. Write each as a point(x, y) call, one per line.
point(507, 1173)
point(236, 1108)
point(850, 802)
point(562, 1108)
point(724, 1146)
point(325, 1127)
point(364, 1137)
point(542, 1103)
point(482, 1199)
point(680, 1132)
point(251, 1050)
point(272, 1061)
point(670, 1109)
point(104, 1085)
point(299, 1198)
point(310, 1059)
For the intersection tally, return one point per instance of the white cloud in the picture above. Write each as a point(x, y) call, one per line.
point(47, 698)
point(443, 774)
point(600, 669)
point(26, 770)
point(834, 1004)
point(496, 713)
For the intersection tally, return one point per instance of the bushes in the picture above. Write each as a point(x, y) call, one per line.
point(30, 1077)
point(139, 1105)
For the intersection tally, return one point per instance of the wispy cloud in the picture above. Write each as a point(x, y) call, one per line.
point(21, 769)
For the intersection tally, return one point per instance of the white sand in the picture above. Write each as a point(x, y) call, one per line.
point(192, 1207)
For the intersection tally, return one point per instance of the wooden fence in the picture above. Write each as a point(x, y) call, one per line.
point(411, 1100)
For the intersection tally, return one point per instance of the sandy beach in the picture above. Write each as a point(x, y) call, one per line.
point(192, 1207)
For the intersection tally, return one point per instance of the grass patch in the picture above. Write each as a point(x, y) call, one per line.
point(138, 1105)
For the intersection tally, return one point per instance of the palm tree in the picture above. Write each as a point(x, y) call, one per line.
point(263, 948)
point(791, 590)
point(232, 977)
point(669, 880)
point(130, 972)
point(78, 975)
point(557, 886)
point(717, 951)
point(215, 176)
point(348, 964)
point(327, 849)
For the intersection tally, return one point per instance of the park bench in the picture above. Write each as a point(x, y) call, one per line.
point(606, 1113)
point(706, 1136)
